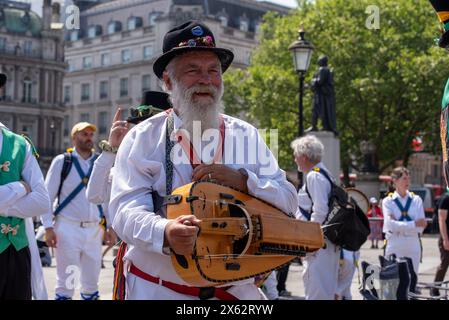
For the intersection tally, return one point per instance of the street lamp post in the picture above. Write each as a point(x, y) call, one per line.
point(302, 52)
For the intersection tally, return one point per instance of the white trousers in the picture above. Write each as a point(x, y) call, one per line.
point(141, 289)
point(346, 270)
point(270, 286)
point(321, 273)
point(405, 247)
point(78, 257)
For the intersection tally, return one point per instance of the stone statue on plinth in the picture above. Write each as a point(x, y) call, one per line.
point(323, 106)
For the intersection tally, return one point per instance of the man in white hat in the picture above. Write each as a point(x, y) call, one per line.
point(73, 227)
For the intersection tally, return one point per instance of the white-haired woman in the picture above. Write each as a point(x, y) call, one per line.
point(404, 219)
point(321, 268)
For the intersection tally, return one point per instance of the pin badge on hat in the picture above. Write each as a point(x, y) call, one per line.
point(197, 31)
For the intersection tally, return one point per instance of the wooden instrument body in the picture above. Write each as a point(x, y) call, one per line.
point(240, 236)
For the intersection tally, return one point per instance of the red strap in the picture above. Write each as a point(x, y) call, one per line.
point(219, 293)
point(187, 146)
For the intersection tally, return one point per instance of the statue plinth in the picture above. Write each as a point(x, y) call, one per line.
point(331, 157)
point(368, 183)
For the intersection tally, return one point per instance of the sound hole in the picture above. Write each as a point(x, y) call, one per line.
point(237, 212)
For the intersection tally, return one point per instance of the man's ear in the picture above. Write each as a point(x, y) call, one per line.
point(167, 80)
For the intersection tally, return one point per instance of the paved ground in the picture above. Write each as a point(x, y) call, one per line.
point(294, 280)
point(426, 269)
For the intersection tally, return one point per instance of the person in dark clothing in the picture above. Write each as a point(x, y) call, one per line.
point(281, 275)
point(443, 242)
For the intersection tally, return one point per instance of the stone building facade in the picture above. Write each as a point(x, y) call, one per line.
point(32, 57)
point(110, 58)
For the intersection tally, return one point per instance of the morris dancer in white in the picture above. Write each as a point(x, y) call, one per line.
point(76, 233)
point(321, 267)
point(191, 68)
point(22, 196)
point(404, 219)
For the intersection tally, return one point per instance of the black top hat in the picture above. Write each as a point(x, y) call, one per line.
point(2, 79)
point(442, 9)
point(152, 103)
point(192, 35)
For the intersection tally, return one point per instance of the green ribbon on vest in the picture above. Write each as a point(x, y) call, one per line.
point(12, 159)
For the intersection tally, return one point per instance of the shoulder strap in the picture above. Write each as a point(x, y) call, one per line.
point(168, 148)
point(308, 215)
point(66, 166)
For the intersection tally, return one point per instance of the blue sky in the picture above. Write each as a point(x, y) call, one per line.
point(287, 3)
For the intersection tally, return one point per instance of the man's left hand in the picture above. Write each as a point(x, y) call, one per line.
point(110, 237)
point(222, 174)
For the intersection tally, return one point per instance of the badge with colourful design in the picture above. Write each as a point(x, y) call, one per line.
point(197, 31)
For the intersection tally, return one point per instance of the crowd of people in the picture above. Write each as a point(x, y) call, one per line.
point(89, 199)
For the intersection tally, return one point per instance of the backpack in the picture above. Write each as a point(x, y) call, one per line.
point(346, 225)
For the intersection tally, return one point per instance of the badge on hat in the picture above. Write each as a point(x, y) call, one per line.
point(197, 31)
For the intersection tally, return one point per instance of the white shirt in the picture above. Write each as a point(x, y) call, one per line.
point(79, 209)
point(392, 214)
point(319, 189)
point(139, 169)
point(99, 187)
point(14, 201)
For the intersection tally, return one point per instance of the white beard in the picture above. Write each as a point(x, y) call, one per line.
point(206, 112)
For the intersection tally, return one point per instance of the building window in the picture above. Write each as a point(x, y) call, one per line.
point(147, 52)
point(102, 122)
point(126, 56)
point(244, 25)
point(70, 66)
point(85, 92)
point(103, 89)
point(28, 130)
point(28, 47)
point(146, 82)
point(223, 20)
point(105, 59)
point(123, 87)
point(84, 117)
point(66, 126)
point(93, 31)
point(2, 43)
point(87, 62)
point(114, 26)
point(67, 94)
point(74, 35)
point(27, 87)
point(152, 18)
point(134, 23)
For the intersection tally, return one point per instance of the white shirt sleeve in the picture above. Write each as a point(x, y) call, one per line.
point(98, 185)
point(9, 194)
point(52, 181)
point(420, 213)
point(37, 201)
point(268, 182)
point(131, 202)
point(390, 223)
point(319, 189)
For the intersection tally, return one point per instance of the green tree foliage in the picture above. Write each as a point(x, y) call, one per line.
point(389, 81)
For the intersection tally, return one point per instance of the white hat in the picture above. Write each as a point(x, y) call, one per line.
point(373, 200)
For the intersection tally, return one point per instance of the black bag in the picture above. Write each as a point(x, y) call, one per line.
point(346, 225)
point(394, 279)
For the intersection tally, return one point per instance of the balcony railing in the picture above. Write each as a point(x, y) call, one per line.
point(14, 51)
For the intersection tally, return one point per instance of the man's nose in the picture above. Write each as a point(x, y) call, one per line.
point(204, 78)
